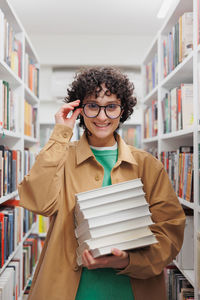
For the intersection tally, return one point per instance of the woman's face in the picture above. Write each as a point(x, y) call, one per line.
point(101, 127)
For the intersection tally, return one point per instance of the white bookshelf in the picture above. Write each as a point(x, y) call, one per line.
point(17, 140)
point(185, 72)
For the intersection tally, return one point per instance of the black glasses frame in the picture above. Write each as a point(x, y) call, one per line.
point(101, 106)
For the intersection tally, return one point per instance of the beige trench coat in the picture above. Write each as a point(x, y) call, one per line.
point(64, 168)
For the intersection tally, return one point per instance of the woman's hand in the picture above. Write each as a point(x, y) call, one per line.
point(118, 260)
point(61, 115)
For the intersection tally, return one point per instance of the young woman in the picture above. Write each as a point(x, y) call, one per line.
point(102, 98)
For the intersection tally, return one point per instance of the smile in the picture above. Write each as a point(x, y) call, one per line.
point(102, 125)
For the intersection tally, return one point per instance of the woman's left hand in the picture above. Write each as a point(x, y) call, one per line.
point(118, 260)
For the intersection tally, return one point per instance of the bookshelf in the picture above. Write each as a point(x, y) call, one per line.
point(19, 126)
point(173, 69)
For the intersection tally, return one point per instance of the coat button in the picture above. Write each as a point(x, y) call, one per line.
point(97, 178)
point(76, 268)
point(65, 134)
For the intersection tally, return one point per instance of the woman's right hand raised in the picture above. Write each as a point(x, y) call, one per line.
point(61, 115)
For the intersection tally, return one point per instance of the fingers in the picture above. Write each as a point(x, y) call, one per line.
point(62, 115)
point(93, 263)
point(75, 114)
point(67, 107)
point(119, 260)
point(119, 253)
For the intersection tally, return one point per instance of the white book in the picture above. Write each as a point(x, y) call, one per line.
point(16, 266)
point(115, 228)
point(118, 216)
point(6, 283)
point(174, 109)
point(105, 191)
point(116, 238)
point(112, 197)
point(187, 33)
point(88, 233)
point(88, 225)
point(127, 245)
point(187, 105)
point(184, 260)
point(108, 209)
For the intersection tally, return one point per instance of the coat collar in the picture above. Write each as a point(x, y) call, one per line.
point(83, 151)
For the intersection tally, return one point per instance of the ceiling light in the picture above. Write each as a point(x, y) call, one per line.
point(164, 9)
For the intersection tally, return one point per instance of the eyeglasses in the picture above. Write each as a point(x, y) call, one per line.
point(92, 110)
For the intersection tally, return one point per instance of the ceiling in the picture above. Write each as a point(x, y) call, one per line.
point(107, 17)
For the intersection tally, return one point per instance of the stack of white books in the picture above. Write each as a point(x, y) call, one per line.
point(115, 216)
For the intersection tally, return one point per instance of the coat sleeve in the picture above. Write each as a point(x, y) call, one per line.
point(169, 219)
point(39, 191)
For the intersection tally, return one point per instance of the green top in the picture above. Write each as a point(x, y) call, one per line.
point(104, 284)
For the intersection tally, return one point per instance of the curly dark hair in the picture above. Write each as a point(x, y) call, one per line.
point(89, 82)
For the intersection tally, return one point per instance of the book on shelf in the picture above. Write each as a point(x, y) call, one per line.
point(132, 134)
point(187, 105)
point(7, 284)
point(11, 49)
point(30, 120)
point(10, 170)
point(43, 224)
point(179, 166)
point(15, 265)
point(177, 108)
point(113, 216)
point(30, 256)
point(178, 43)
point(177, 285)
point(151, 70)
point(185, 261)
point(151, 120)
point(31, 75)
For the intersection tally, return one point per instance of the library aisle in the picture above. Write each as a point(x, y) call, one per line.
point(166, 123)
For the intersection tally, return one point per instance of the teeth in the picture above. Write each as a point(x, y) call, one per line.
point(101, 125)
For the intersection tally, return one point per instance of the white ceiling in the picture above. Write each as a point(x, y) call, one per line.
point(130, 17)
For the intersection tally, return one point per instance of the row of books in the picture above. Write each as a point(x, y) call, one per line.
point(113, 216)
point(11, 48)
point(30, 120)
point(10, 170)
point(10, 281)
point(31, 75)
point(8, 107)
point(151, 74)
point(10, 230)
point(132, 135)
point(178, 287)
point(29, 159)
point(151, 120)
point(28, 270)
point(179, 166)
point(179, 43)
point(29, 218)
point(30, 257)
point(177, 108)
